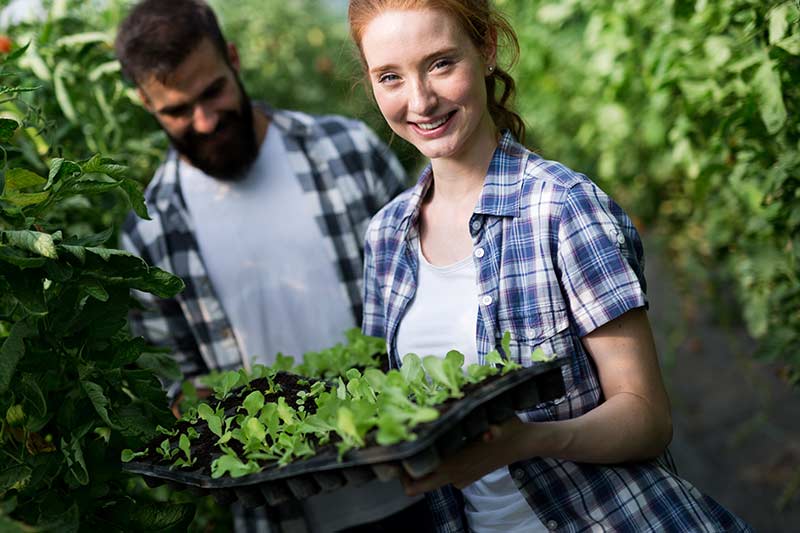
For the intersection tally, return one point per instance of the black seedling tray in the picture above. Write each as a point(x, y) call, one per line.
point(460, 421)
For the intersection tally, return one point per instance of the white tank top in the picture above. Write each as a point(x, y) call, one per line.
point(443, 316)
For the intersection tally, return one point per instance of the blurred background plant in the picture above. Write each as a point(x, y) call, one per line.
point(684, 110)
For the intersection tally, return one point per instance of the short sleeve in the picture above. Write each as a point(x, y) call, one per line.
point(600, 258)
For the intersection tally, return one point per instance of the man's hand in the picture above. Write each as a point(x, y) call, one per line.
point(498, 447)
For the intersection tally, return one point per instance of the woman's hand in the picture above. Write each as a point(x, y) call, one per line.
point(497, 448)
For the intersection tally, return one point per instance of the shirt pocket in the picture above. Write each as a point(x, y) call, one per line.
point(548, 330)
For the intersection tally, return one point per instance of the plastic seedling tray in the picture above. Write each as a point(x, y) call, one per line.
point(460, 421)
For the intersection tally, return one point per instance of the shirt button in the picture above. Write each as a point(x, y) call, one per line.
point(227, 333)
point(519, 474)
point(552, 525)
point(479, 252)
point(530, 332)
point(486, 300)
point(476, 225)
point(620, 238)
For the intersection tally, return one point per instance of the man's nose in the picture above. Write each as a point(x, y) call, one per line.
point(204, 118)
point(423, 99)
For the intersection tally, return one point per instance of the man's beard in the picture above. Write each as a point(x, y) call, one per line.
point(228, 151)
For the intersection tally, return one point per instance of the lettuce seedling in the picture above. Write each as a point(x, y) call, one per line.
point(252, 434)
point(184, 445)
point(253, 403)
point(233, 465)
point(164, 431)
point(230, 380)
point(477, 373)
point(346, 428)
point(166, 451)
point(358, 387)
point(505, 363)
point(129, 455)
point(446, 372)
point(283, 363)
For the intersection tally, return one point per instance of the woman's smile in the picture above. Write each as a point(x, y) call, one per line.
point(435, 127)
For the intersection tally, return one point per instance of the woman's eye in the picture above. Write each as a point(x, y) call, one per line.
point(442, 63)
point(387, 78)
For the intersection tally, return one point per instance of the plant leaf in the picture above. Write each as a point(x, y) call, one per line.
point(253, 403)
point(75, 461)
point(767, 84)
point(135, 197)
point(32, 241)
point(62, 170)
point(20, 178)
point(99, 400)
point(12, 350)
point(7, 129)
point(20, 199)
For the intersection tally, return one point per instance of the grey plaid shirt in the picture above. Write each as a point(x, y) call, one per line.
point(346, 173)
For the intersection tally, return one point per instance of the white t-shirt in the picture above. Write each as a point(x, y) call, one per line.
point(265, 254)
point(443, 317)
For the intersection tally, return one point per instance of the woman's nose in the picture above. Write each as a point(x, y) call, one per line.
point(423, 99)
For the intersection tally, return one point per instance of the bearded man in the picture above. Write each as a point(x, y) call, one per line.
point(262, 212)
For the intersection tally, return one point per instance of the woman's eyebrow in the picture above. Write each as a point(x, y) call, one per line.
point(391, 66)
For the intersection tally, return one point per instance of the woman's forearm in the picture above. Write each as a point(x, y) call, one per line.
point(624, 428)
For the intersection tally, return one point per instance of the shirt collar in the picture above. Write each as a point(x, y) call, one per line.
point(502, 187)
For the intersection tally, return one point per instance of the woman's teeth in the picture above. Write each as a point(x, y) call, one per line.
point(433, 125)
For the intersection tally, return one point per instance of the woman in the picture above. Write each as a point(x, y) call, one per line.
point(491, 239)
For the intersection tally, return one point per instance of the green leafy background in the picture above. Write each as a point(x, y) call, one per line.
point(684, 111)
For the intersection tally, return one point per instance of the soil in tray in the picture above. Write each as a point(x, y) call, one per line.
point(204, 448)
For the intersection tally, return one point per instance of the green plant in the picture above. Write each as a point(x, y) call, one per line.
point(684, 111)
point(286, 417)
point(75, 388)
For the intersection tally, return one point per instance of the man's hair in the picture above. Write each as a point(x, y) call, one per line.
point(158, 35)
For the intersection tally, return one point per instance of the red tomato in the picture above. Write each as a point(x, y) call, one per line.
point(5, 44)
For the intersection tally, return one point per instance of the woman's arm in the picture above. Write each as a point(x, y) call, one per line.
point(633, 422)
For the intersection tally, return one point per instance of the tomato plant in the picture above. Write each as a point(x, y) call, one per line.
point(684, 112)
point(75, 387)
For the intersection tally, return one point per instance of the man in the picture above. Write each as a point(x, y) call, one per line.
point(262, 213)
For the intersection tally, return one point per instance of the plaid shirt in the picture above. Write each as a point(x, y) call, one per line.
point(556, 258)
point(346, 174)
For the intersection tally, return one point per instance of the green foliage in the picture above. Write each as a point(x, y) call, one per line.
point(81, 106)
point(684, 111)
point(71, 386)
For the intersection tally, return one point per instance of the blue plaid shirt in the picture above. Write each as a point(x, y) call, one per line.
point(556, 258)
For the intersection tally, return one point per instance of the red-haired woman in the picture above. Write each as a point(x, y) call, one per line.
point(494, 238)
